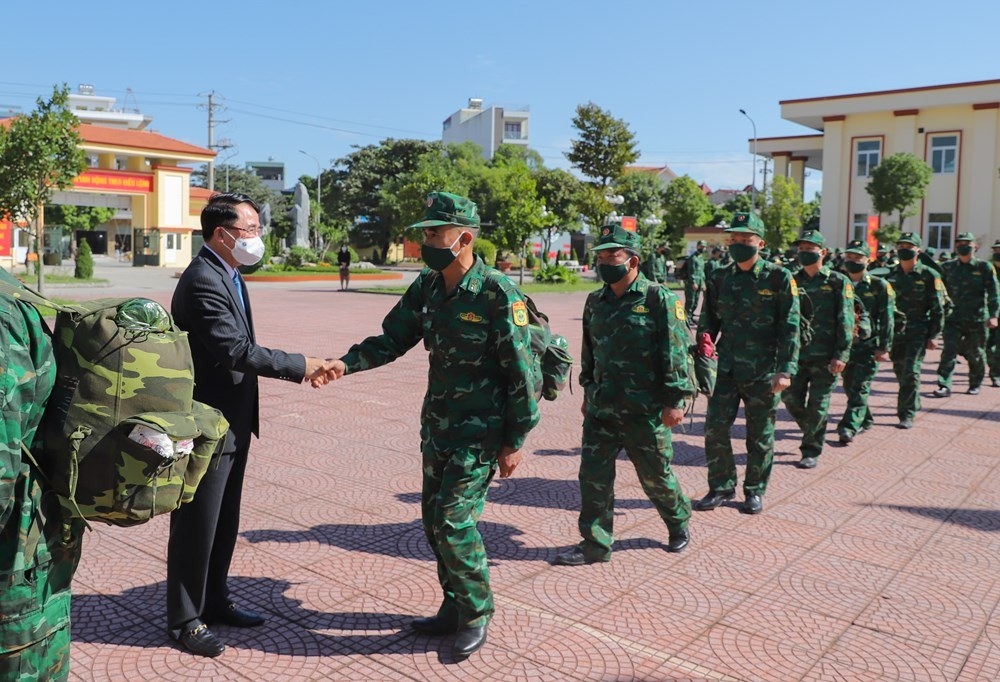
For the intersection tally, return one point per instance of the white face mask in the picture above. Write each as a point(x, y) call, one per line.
point(247, 251)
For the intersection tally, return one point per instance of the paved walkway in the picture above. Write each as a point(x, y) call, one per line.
point(881, 564)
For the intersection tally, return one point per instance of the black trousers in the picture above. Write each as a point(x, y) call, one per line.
point(202, 538)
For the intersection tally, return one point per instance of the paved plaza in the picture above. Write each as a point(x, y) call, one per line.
point(881, 564)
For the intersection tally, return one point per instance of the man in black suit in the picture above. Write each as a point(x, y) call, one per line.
point(211, 305)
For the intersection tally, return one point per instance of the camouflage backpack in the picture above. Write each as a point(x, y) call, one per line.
point(122, 439)
point(703, 362)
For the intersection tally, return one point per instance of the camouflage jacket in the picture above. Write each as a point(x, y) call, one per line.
point(696, 268)
point(635, 356)
point(757, 313)
point(482, 374)
point(35, 568)
point(831, 297)
point(973, 289)
point(879, 299)
point(919, 296)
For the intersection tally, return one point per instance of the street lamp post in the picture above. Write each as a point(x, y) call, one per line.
point(319, 186)
point(754, 186)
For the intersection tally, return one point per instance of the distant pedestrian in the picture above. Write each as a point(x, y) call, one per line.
point(694, 284)
point(993, 344)
point(344, 262)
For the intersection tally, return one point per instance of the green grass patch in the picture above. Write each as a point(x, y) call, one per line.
point(32, 280)
point(331, 271)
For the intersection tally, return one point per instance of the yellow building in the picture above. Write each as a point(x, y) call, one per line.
point(145, 176)
point(954, 128)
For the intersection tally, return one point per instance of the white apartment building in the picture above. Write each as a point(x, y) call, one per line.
point(488, 127)
point(954, 128)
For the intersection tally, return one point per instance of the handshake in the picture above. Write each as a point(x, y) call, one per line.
point(321, 372)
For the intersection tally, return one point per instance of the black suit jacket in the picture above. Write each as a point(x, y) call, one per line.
point(227, 359)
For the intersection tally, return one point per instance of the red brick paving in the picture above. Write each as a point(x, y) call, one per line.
point(881, 564)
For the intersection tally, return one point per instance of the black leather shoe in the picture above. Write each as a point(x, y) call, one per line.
point(469, 641)
point(752, 505)
point(995, 382)
point(237, 617)
point(807, 462)
point(941, 392)
point(434, 625)
point(575, 557)
point(679, 540)
point(973, 390)
point(846, 437)
point(714, 499)
point(199, 640)
point(905, 424)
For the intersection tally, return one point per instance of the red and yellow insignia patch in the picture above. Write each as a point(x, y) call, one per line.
point(795, 288)
point(679, 310)
point(519, 311)
point(938, 284)
point(470, 317)
point(849, 292)
point(889, 290)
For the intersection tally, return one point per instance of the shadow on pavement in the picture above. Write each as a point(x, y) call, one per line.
point(987, 520)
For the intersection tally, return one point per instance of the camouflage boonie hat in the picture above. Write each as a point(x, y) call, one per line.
point(747, 222)
point(859, 247)
point(617, 237)
point(812, 237)
point(965, 237)
point(911, 238)
point(443, 208)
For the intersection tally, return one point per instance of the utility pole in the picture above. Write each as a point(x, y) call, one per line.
point(212, 106)
point(765, 161)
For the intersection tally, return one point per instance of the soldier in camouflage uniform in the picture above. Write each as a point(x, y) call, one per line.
point(972, 287)
point(919, 298)
point(993, 342)
point(695, 282)
point(713, 263)
point(879, 300)
point(755, 306)
point(823, 357)
point(634, 376)
point(36, 564)
point(479, 406)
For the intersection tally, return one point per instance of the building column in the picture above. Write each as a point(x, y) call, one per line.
point(797, 172)
point(834, 221)
point(983, 175)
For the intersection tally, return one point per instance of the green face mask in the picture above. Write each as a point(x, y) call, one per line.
point(809, 257)
point(906, 254)
point(612, 273)
point(996, 257)
point(741, 253)
point(437, 257)
point(964, 249)
point(854, 267)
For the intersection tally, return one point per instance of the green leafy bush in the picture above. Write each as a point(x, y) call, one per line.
point(84, 262)
point(299, 256)
point(530, 261)
point(556, 274)
point(486, 250)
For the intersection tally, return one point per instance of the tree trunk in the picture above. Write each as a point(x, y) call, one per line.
point(39, 249)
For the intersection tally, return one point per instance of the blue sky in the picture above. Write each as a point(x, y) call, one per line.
point(323, 76)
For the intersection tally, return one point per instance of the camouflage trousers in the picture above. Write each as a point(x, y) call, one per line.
point(44, 660)
point(692, 293)
point(907, 356)
point(858, 376)
point(761, 407)
point(455, 483)
point(808, 401)
point(969, 339)
point(993, 353)
point(647, 443)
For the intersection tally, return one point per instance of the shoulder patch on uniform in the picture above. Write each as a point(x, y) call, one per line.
point(849, 291)
point(679, 310)
point(470, 317)
point(795, 287)
point(640, 308)
point(938, 285)
point(519, 312)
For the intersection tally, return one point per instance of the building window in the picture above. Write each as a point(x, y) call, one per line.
point(512, 131)
point(173, 241)
point(868, 152)
point(939, 230)
point(944, 151)
point(859, 227)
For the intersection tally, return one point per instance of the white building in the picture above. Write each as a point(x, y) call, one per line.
point(954, 128)
point(488, 127)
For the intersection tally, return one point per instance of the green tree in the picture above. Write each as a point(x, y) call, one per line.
point(559, 191)
point(73, 218)
point(811, 212)
point(360, 176)
point(605, 146)
point(741, 203)
point(898, 184)
point(782, 213)
point(643, 198)
point(685, 205)
point(39, 152)
point(84, 268)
